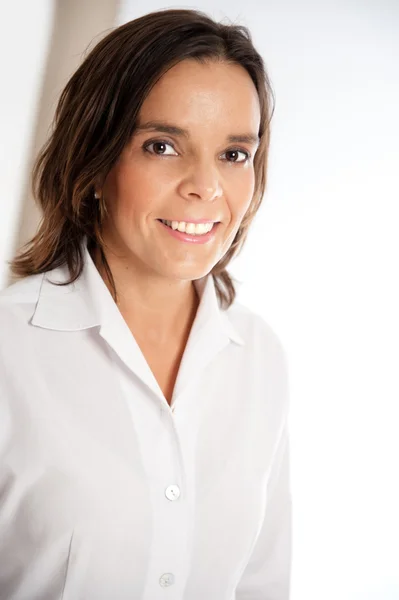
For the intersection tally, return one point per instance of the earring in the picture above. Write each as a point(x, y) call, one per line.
point(96, 195)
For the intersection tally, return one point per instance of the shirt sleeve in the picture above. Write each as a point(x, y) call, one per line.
point(267, 573)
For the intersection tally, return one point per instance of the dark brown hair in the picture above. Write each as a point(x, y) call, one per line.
point(95, 119)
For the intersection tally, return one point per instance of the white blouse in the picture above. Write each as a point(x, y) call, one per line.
point(109, 493)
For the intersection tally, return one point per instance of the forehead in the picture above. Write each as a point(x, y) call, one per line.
point(213, 94)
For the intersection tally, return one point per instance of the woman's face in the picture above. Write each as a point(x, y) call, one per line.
point(188, 175)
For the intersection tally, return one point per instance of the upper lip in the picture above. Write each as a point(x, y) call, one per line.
point(193, 220)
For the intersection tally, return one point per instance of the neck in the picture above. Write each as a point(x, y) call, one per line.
point(158, 308)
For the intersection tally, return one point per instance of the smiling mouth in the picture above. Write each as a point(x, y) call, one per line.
point(195, 221)
point(190, 227)
point(199, 234)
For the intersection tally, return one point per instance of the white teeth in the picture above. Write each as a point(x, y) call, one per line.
point(191, 228)
point(182, 226)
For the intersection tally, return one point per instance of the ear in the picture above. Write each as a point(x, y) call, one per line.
point(98, 185)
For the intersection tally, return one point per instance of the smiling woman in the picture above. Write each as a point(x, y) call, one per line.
point(147, 442)
point(181, 165)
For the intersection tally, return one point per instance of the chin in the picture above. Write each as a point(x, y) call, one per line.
point(188, 274)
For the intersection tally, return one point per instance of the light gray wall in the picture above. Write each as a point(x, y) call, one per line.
point(23, 47)
point(54, 37)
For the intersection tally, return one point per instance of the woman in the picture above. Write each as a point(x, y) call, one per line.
point(143, 440)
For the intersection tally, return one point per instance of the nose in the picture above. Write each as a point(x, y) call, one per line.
point(201, 182)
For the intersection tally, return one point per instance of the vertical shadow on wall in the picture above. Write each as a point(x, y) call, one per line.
point(77, 26)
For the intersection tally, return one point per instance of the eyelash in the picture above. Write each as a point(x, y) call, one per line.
point(241, 162)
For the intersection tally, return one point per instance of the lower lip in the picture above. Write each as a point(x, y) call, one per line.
point(192, 239)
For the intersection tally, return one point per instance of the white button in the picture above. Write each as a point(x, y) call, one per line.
point(172, 492)
point(166, 579)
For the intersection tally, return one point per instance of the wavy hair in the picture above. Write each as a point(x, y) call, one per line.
point(96, 117)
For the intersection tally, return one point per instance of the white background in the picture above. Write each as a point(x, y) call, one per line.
point(320, 264)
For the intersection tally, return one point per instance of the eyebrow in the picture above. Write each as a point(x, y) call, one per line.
point(249, 138)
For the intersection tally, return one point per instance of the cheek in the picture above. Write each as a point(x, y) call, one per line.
point(131, 194)
point(241, 195)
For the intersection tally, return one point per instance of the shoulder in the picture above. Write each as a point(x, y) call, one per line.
point(263, 351)
point(262, 363)
point(256, 332)
point(18, 301)
point(21, 291)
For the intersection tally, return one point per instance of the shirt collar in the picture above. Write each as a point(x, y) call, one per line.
point(87, 302)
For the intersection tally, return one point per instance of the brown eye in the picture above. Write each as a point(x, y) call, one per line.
point(159, 148)
point(234, 154)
